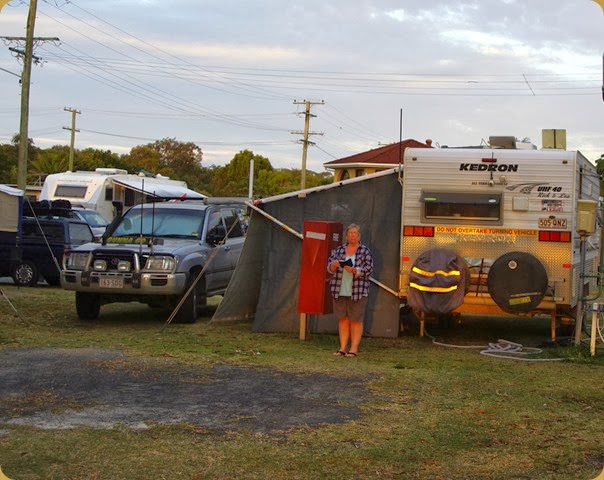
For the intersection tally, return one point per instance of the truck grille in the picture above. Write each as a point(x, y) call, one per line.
point(113, 258)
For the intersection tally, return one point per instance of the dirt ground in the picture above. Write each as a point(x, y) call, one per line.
point(68, 388)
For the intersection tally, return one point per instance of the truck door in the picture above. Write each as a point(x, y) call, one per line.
point(218, 271)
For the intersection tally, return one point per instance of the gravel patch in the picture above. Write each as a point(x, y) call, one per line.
point(54, 388)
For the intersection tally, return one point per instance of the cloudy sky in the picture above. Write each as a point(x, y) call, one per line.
point(231, 75)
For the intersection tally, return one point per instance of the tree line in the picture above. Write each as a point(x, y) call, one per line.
point(168, 157)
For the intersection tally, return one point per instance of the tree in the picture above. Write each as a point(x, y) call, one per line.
point(145, 157)
point(170, 157)
point(51, 160)
point(9, 154)
point(600, 170)
point(92, 158)
point(232, 180)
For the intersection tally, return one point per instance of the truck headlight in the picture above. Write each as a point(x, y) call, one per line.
point(99, 265)
point(163, 263)
point(76, 261)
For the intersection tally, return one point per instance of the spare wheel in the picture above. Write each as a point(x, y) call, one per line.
point(517, 282)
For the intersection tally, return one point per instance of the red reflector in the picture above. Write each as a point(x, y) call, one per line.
point(489, 160)
point(405, 259)
point(566, 265)
point(418, 231)
point(554, 236)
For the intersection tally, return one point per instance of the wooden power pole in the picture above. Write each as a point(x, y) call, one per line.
point(73, 131)
point(306, 133)
point(28, 58)
point(25, 82)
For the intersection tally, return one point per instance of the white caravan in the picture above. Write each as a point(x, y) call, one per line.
point(520, 219)
point(109, 190)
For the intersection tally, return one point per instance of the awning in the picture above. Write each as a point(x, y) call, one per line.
point(11, 191)
point(158, 189)
point(11, 205)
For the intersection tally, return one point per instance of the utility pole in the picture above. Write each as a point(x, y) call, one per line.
point(28, 58)
point(306, 133)
point(25, 82)
point(73, 130)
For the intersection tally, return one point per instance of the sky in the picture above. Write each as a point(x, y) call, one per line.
point(231, 75)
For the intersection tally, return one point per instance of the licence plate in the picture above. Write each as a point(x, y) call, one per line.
point(553, 223)
point(110, 282)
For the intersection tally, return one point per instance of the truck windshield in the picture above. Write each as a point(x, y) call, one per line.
point(160, 223)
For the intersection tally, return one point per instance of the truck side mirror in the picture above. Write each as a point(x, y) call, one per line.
point(216, 235)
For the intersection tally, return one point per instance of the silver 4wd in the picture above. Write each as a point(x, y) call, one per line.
point(153, 253)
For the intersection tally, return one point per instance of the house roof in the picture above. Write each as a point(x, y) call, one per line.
point(388, 155)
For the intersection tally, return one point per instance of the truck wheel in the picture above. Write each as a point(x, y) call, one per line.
point(25, 274)
point(88, 305)
point(189, 311)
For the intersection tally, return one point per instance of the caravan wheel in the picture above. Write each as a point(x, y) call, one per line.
point(517, 282)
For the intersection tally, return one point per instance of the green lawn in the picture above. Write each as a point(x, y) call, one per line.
point(433, 412)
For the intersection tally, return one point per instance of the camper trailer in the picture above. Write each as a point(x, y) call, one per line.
point(110, 190)
point(499, 230)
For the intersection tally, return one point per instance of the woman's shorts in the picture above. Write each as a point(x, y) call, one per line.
point(345, 307)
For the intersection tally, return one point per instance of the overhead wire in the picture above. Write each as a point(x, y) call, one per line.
point(124, 74)
point(154, 47)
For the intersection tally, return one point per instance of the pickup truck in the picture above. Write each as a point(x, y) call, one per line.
point(154, 252)
point(40, 248)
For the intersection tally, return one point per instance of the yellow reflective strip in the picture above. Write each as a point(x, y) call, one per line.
point(425, 273)
point(421, 288)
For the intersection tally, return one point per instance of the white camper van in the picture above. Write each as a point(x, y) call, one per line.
point(108, 190)
point(520, 219)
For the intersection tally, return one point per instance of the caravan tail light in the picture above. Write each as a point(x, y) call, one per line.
point(418, 231)
point(554, 236)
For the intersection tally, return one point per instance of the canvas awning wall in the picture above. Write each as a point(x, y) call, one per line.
point(161, 190)
point(11, 201)
point(264, 287)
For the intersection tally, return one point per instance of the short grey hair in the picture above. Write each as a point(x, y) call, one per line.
point(351, 226)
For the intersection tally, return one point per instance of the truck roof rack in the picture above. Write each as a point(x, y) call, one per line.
point(47, 208)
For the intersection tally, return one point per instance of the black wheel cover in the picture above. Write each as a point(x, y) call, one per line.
point(517, 282)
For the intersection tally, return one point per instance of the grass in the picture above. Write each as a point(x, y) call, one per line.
point(433, 413)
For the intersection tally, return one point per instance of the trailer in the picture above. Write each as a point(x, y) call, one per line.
point(110, 190)
point(499, 231)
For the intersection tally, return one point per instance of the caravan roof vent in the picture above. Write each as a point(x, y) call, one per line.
point(502, 142)
point(110, 171)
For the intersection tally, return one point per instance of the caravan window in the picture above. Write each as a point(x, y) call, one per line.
point(70, 191)
point(461, 206)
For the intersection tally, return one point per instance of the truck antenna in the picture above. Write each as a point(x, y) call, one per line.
point(140, 236)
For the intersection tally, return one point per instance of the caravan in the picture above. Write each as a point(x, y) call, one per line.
point(110, 190)
point(515, 229)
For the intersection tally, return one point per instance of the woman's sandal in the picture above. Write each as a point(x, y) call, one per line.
point(340, 353)
point(351, 354)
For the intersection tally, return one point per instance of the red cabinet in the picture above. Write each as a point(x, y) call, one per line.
point(320, 238)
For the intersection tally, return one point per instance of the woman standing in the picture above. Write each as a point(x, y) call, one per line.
point(350, 265)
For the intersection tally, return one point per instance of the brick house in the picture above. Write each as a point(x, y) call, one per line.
point(382, 158)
